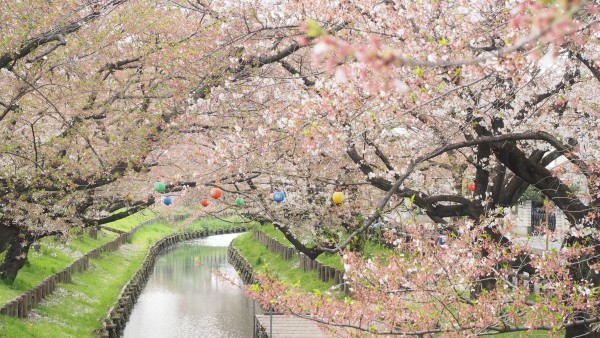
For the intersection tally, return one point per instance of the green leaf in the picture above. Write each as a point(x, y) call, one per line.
point(419, 71)
point(314, 29)
point(412, 97)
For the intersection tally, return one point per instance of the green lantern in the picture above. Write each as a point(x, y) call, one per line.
point(239, 201)
point(160, 186)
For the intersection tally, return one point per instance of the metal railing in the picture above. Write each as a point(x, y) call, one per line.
point(538, 220)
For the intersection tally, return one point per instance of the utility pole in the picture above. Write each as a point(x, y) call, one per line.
point(546, 207)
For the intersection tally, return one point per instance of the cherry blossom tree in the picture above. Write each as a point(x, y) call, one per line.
point(404, 101)
point(93, 98)
point(84, 101)
point(397, 104)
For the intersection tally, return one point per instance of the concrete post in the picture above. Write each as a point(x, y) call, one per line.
point(523, 226)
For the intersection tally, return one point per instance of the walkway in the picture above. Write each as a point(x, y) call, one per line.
point(538, 242)
point(287, 327)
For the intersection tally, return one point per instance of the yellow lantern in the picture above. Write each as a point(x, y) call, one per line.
point(337, 197)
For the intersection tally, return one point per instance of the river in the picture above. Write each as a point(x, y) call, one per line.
point(184, 298)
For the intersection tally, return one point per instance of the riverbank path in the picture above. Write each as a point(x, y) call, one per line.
point(288, 327)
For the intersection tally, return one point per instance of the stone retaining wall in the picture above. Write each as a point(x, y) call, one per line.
point(241, 265)
point(117, 316)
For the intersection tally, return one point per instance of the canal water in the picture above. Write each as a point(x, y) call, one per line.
point(184, 297)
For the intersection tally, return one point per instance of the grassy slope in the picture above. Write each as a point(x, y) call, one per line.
point(54, 255)
point(263, 259)
point(371, 248)
point(76, 309)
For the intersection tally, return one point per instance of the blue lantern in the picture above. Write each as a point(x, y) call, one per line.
point(167, 200)
point(278, 196)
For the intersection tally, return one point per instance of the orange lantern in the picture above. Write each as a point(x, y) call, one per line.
point(471, 186)
point(204, 202)
point(215, 193)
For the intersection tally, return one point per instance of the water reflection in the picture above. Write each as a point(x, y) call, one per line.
point(183, 298)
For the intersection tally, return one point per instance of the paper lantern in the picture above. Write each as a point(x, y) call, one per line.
point(278, 196)
point(337, 197)
point(160, 186)
point(167, 200)
point(204, 202)
point(239, 201)
point(129, 198)
point(215, 193)
point(471, 186)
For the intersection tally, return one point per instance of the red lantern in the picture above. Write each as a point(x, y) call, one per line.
point(471, 186)
point(204, 202)
point(215, 193)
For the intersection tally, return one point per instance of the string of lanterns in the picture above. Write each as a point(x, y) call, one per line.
point(216, 193)
point(278, 196)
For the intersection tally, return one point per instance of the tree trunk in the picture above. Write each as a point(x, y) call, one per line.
point(533, 173)
point(7, 234)
point(581, 269)
point(15, 258)
point(582, 330)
